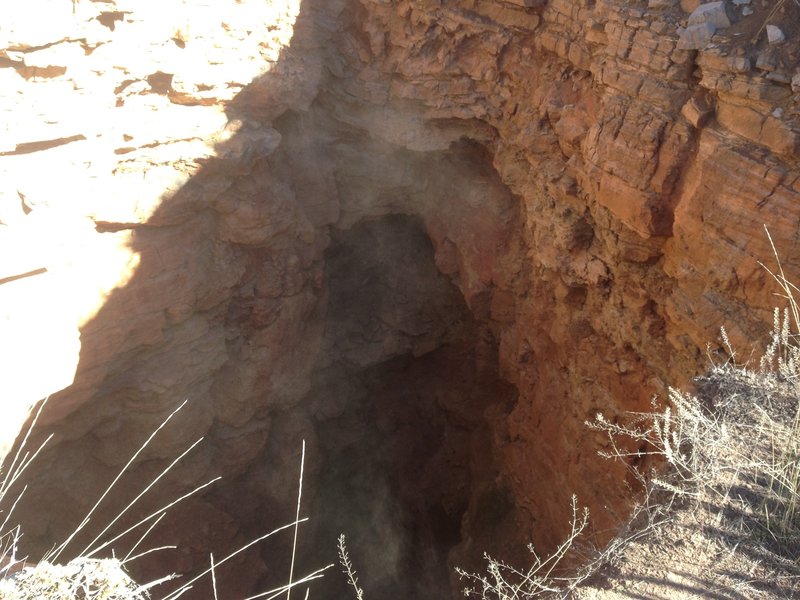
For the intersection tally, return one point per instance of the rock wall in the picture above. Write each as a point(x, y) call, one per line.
point(178, 180)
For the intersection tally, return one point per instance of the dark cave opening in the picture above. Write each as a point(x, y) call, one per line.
point(399, 400)
point(404, 412)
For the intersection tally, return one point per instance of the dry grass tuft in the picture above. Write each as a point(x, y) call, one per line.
point(80, 579)
point(540, 579)
point(729, 479)
point(87, 578)
point(731, 455)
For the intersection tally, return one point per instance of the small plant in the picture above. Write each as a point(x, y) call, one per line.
point(782, 360)
point(730, 453)
point(672, 434)
point(732, 449)
point(347, 568)
point(505, 582)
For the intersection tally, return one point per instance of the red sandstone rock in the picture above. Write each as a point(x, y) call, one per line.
point(183, 222)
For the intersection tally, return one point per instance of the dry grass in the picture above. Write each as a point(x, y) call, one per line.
point(540, 579)
point(729, 474)
point(87, 578)
point(347, 568)
point(84, 579)
point(731, 456)
point(729, 469)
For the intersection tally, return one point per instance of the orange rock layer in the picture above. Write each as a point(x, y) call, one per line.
point(597, 195)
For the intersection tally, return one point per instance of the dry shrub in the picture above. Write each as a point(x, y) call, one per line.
point(730, 454)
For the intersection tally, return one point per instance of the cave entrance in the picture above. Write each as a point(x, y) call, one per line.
point(404, 410)
point(400, 399)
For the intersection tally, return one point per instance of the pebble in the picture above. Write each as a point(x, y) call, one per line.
point(775, 35)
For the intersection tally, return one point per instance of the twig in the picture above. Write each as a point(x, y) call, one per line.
point(272, 594)
point(213, 577)
point(348, 569)
point(152, 515)
point(13, 471)
point(296, 521)
point(136, 454)
point(775, 9)
point(141, 539)
point(182, 589)
point(139, 496)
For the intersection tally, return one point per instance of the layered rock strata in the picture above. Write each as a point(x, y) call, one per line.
point(233, 206)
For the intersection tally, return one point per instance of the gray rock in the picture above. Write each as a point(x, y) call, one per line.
point(713, 12)
point(696, 37)
point(741, 2)
point(766, 61)
point(747, 11)
point(740, 64)
point(780, 77)
point(775, 35)
point(796, 82)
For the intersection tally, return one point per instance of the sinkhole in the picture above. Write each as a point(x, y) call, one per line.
point(357, 276)
point(401, 413)
point(405, 379)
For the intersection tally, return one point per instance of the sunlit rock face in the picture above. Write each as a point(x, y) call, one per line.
point(431, 239)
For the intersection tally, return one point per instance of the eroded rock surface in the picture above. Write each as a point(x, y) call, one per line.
point(178, 179)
